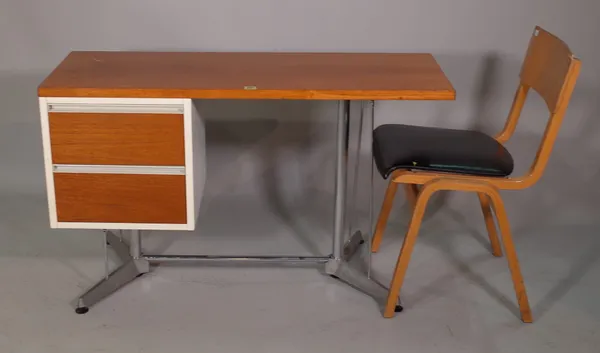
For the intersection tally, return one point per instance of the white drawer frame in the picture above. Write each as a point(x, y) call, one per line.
point(195, 154)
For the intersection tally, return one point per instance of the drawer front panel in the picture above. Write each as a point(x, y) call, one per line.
point(117, 139)
point(120, 198)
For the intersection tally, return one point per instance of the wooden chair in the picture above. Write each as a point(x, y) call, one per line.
point(427, 160)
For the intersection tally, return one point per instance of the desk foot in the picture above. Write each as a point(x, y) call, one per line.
point(347, 273)
point(352, 271)
point(81, 310)
point(352, 245)
point(129, 270)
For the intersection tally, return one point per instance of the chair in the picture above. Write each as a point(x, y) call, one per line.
point(427, 160)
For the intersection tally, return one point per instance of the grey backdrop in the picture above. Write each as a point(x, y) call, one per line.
point(283, 151)
point(270, 184)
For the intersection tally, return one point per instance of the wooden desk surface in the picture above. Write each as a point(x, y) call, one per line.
point(248, 76)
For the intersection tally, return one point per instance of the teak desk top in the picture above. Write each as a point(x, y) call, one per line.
point(343, 76)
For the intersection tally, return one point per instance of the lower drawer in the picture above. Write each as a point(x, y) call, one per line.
point(120, 198)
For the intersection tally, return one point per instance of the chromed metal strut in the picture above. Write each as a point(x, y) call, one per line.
point(346, 261)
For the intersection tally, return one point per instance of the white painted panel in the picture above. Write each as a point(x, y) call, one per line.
point(139, 226)
point(189, 165)
point(48, 162)
point(109, 101)
point(199, 140)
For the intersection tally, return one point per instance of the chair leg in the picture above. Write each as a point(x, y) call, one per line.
point(386, 208)
point(511, 255)
point(489, 224)
point(412, 191)
point(406, 252)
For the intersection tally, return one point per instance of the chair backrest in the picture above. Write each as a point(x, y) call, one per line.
point(546, 67)
point(550, 69)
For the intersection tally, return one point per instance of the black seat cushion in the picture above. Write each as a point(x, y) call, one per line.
point(398, 146)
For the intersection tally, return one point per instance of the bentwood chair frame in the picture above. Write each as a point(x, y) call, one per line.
point(551, 70)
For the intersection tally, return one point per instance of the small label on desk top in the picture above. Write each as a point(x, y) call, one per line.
point(250, 88)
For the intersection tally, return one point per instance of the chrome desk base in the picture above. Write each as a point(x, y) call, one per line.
point(345, 262)
point(131, 267)
point(350, 269)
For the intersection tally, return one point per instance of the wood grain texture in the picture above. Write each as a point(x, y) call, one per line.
point(511, 256)
point(120, 198)
point(248, 76)
point(513, 116)
point(490, 225)
point(117, 139)
point(406, 251)
point(544, 82)
point(408, 244)
point(384, 214)
point(546, 66)
point(549, 69)
point(411, 191)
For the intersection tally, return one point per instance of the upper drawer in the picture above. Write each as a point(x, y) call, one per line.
point(117, 138)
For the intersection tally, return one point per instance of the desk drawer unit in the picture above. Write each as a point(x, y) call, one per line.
point(123, 163)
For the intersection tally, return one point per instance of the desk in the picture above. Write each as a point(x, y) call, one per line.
point(124, 143)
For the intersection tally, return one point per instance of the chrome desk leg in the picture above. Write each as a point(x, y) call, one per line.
point(371, 189)
point(341, 176)
point(341, 264)
point(132, 267)
point(135, 244)
point(353, 244)
point(345, 268)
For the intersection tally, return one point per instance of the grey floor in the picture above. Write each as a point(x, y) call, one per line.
point(458, 298)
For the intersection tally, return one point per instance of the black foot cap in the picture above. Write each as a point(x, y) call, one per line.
point(82, 310)
point(362, 242)
point(334, 276)
point(140, 275)
point(398, 309)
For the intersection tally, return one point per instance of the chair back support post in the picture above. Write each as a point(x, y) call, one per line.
point(514, 114)
point(550, 69)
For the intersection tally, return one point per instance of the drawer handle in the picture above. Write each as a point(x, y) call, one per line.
point(117, 169)
point(116, 108)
